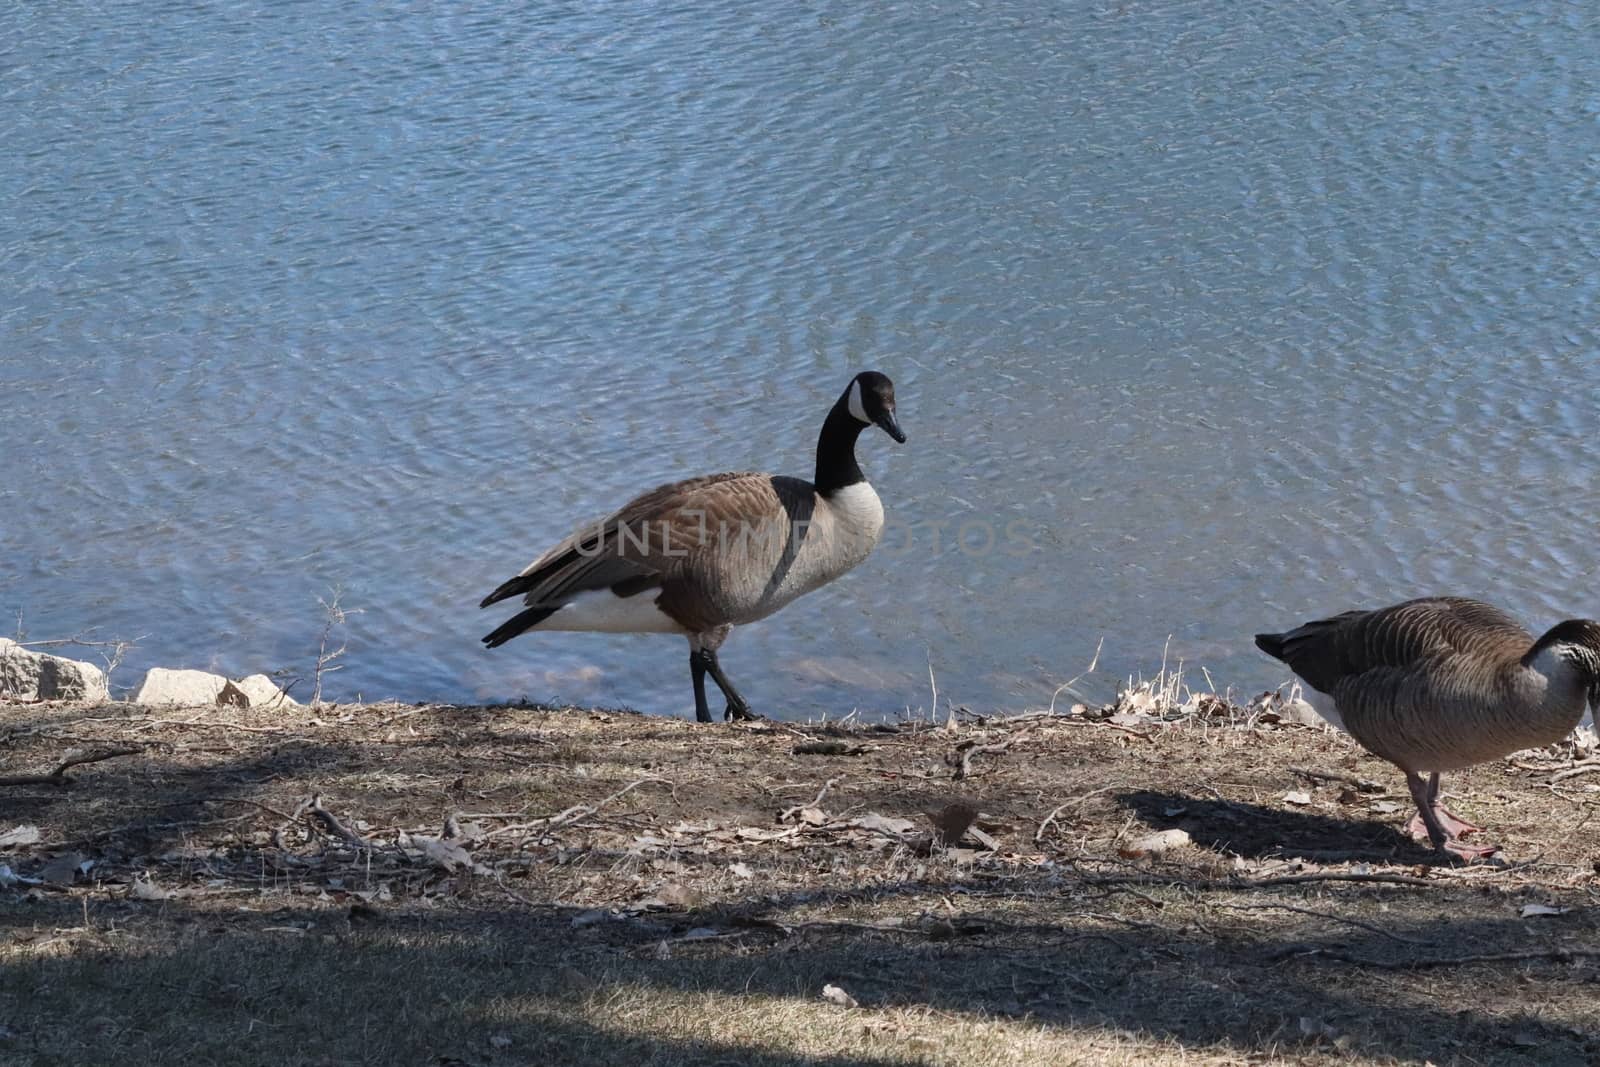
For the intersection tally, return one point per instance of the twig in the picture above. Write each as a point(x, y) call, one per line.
point(59, 775)
point(144, 828)
point(1556, 955)
point(1125, 729)
point(331, 822)
point(968, 749)
point(816, 802)
point(574, 813)
point(1260, 883)
point(1325, 915)
point(1038, 835)
point(829, 748)
point(333, 615)
point(287, 818)
point(288, 821)
point(142, 723)
point(1362, 784)
point(1586, 767)
point(1301, 879)
point(1071, 682)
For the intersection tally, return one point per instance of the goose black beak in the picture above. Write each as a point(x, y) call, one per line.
point(886, 422)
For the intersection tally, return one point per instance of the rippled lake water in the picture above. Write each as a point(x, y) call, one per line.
point(1247, 312)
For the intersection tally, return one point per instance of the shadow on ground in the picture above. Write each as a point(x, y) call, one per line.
point(311, 985)
point(1253, 830)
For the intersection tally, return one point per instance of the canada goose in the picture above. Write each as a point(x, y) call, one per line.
point(716, 551)
point(1441, 683)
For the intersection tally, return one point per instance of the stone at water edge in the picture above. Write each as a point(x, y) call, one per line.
point(163, 685)
point(264, 693)
point(29, 675)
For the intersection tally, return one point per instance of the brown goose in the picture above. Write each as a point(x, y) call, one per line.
point(702, 556)
point(1441, 683)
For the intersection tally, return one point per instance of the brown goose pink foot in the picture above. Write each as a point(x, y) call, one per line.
point(1453, 824)
point(1438, 824)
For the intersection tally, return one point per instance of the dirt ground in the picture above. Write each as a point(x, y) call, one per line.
point(391, 884)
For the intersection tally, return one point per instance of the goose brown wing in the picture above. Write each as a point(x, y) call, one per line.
point(647, 541)
point(1329, 651)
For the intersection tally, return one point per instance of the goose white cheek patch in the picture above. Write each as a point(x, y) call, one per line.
point(856, 407)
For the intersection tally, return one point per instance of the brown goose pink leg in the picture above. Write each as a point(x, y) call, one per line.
point(1426, 823)
point(1453, 824)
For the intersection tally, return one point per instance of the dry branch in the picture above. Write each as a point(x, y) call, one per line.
point(1038, 835)
point(571, 815)
point(1363, 785)
point(1585, 767)
point(1373, 928)
point(829, 748)
point(816, 802)
point(333, 825)
point(962, 756)
point(1553, 955)
point(59, 775)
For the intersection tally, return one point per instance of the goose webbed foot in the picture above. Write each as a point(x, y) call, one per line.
point(1452, 843)
point(1452, 824)
point(703, 662)
point(1436, 824)
point(1468, 853)
point(740, 712)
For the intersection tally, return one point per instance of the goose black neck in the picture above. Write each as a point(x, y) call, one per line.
point(836, 451)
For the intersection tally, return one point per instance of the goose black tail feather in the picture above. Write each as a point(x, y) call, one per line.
point(1274, 645)
point(521, 622)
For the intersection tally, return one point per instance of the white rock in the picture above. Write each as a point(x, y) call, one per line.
point(264, 694)
point(29, 675)
point(162, 685)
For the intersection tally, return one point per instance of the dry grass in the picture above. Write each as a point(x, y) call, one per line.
point(635, 896)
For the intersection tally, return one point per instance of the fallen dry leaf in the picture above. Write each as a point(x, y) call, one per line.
point(838, 996)
point(678, 895)
point(1532, 910)
point(671, 896)
point(741, 870)
point(446, 855)
point(1297, 796)
point(62, 869)
point(884, 824)
point(144, 889)
point(1154, 844)
point(19, 835)
point(811, 816)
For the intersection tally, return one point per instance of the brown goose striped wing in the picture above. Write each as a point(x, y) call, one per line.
point(670, 532)
point(1328, 652)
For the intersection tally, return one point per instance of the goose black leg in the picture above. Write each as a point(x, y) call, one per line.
point(737, 706)
point(697, 671)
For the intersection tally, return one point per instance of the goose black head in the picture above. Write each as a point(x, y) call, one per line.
point(1577, 643)
point(870, 400)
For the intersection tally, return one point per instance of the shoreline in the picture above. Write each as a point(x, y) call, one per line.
point(518, 884)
